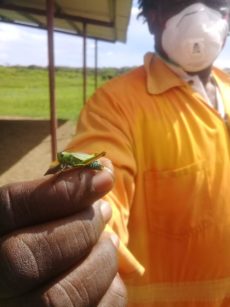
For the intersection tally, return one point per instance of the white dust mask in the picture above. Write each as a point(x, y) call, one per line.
point(194, 37)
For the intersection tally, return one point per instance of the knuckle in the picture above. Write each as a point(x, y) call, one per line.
point(119, 291)
point(75, 194)
point(65, 293)
point(64, 187)
point(61, 188)
point(6, 210)
point(79, 240)
point(88, 235)
point(90, 231)
point(116, 296)
point(89, 227)
point(109, 255)
point(14, 206)
point(18, 266)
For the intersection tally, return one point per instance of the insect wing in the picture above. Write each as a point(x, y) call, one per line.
point(94, 157)
point(82, 157)
point(87, 158)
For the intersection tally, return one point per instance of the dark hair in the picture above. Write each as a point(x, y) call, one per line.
point(145, 5)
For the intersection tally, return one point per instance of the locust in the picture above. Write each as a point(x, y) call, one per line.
point(68, 160)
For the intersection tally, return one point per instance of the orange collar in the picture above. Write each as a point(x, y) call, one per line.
point(159, 76)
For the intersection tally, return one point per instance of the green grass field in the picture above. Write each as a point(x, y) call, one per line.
point(24, 92)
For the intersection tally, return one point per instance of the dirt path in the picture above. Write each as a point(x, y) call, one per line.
point(25, 147)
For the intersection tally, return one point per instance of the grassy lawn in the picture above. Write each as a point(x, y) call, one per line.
point(24, 92)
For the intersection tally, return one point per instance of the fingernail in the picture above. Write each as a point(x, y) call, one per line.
point(106, 211)
point(116, 241)
point(102, 182)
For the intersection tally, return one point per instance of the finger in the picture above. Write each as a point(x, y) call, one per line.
point(52, 197)
point(83, 286)
point(116, 296)
point(35, 255)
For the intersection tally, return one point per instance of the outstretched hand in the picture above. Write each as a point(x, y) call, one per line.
point(52, 252)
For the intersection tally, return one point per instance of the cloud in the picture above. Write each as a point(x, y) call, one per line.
point(9, 33)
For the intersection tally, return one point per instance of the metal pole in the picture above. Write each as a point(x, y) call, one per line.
point(53, 119)
point(96, 64)
point(84, 64)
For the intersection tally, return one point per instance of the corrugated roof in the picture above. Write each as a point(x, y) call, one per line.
point(106, 19)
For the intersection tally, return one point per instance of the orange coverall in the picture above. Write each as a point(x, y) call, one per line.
point(171, 199)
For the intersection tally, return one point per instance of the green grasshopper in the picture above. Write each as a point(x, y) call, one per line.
point(69, 160)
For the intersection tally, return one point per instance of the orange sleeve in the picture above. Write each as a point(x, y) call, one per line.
point(105, 126)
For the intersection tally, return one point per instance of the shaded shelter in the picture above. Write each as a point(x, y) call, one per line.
point(101, 20)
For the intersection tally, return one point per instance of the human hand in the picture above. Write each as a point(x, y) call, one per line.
point(51, 249)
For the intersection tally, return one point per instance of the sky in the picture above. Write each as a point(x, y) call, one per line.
point(26, 46)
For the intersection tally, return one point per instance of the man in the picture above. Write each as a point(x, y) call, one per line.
point(165, 128)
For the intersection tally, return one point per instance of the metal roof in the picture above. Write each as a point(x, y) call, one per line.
point(105, 19)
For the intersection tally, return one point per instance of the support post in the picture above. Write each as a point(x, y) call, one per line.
point(96, 65)
point(51, 65)
point(84, 63)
